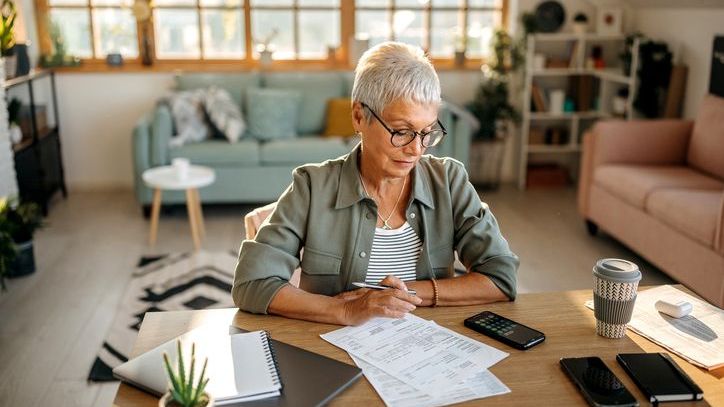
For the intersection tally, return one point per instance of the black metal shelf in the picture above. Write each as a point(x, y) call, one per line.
point(38, 160)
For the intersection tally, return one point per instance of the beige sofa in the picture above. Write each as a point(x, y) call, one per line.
point(658, 187)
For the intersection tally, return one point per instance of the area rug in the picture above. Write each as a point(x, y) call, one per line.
point(188, 281)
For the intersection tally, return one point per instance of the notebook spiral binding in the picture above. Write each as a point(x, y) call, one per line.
point(271, 359)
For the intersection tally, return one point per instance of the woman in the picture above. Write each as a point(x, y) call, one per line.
point(383, 213)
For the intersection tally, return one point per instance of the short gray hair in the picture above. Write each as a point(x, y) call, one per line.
point(391, 71)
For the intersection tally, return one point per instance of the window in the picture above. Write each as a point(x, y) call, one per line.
point(238, 30)
point(95, 28)
point(436, 25)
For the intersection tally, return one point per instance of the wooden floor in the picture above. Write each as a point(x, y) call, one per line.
point(53, 322)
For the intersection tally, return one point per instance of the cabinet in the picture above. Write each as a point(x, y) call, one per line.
point(38, 159)
point(561, 63)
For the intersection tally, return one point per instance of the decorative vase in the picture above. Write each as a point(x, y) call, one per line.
point(11, 65)
point(265, 58)
point(23, 60)
point(24, 262)
point(167, 401)
point(580, 28)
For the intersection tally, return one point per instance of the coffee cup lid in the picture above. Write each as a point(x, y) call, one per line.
point(622, 271)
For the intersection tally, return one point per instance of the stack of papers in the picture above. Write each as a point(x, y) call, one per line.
point(415, 362)
point(697, 337)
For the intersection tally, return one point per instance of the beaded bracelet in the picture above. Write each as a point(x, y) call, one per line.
point(434, 291)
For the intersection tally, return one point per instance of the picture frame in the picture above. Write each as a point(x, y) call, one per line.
point(609, 20)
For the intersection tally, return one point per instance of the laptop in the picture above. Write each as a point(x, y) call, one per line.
point(309, 379)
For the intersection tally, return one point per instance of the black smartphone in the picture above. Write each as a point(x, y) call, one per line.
point(505, 330)
point(597, 382)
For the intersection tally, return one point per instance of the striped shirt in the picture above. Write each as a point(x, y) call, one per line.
point(394, 252)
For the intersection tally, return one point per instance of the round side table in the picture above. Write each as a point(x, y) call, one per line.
point(166, 178)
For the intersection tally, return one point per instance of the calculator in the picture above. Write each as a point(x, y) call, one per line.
point(505, 330)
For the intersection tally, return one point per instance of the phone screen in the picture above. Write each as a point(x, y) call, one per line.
point(598, 383)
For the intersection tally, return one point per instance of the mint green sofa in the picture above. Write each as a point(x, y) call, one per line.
point(251, 171)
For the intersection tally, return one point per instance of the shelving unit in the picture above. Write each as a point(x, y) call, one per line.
point(606, 82)
point(38, 160)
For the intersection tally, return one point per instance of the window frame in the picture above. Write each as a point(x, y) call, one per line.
point(347, 23)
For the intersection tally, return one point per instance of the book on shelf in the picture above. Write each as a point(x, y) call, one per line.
point(573, 55)
point(539, 101)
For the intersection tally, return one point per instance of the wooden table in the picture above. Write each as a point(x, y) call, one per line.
point(534, 376)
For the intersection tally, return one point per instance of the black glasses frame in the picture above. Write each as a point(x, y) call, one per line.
point(394, 133)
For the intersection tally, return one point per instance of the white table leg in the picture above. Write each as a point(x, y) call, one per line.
point(192, 218)
point(155, 211)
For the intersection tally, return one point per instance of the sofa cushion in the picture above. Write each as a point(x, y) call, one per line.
point(273, 113)
point(302, 150)
point(692, 212)
point(634, 183)
point(706, 148)
point(220, 152)
point(339, 118)
point(316, 89)
point(235, 83)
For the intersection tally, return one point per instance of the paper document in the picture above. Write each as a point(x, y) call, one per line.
point(396, 393)
point(697, 337)
point(416, 351)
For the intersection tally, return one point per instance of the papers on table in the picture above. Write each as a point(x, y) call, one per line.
point(697, 337)
point(412, 361)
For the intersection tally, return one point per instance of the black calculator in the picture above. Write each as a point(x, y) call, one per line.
point(505, 330)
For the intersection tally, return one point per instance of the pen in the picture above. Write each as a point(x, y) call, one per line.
point(379, 287)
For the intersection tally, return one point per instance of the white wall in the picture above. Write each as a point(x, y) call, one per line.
point(689, 32)
point(97, 114)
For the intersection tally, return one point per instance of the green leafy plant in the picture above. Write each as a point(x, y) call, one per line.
point(183, 389)
point(491, 103)
point(18, 222)
point(8, 13)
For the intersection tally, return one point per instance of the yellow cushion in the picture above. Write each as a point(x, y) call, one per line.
point(339, 118)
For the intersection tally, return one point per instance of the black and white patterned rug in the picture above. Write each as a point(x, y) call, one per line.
point(188, 281)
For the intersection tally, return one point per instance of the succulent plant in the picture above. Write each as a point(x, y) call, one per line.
point(183, 389)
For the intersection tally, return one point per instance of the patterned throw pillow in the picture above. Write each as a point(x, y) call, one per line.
point(272, 113)
point(224, 114)
point(187, 111)
point(339, 118)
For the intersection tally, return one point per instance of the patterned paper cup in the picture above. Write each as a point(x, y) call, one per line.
point(615, 282)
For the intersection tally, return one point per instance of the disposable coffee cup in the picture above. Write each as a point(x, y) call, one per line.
point(615, 282)
point(181, 165)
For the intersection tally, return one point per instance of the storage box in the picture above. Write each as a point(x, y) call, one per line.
point(546, 176)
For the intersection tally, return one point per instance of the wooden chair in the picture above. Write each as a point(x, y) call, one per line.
point(254, 220)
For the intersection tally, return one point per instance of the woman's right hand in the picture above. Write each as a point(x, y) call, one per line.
point(391, 303)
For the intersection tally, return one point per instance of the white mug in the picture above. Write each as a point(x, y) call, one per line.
point(181, 165)
point(558, 97)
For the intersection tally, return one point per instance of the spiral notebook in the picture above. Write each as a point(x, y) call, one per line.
point(242, 367)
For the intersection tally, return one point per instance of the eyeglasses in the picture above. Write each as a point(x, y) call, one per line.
point(401, 138)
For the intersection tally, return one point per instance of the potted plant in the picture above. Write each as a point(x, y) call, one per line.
point(8, 13)
point(580, 23)
point(492, 107)
point(19, 220)
point(184, 391)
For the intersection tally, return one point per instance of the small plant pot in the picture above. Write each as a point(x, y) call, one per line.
point(24, 262)
point(265, 58)
point(167, 401)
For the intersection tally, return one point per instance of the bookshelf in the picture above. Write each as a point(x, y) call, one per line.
point(554, 135)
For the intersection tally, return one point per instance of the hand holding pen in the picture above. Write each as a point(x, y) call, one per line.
point(390, 298)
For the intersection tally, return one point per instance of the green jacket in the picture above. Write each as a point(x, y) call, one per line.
point(325, 210)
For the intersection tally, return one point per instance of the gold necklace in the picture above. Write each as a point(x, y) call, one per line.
point(385, 225)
